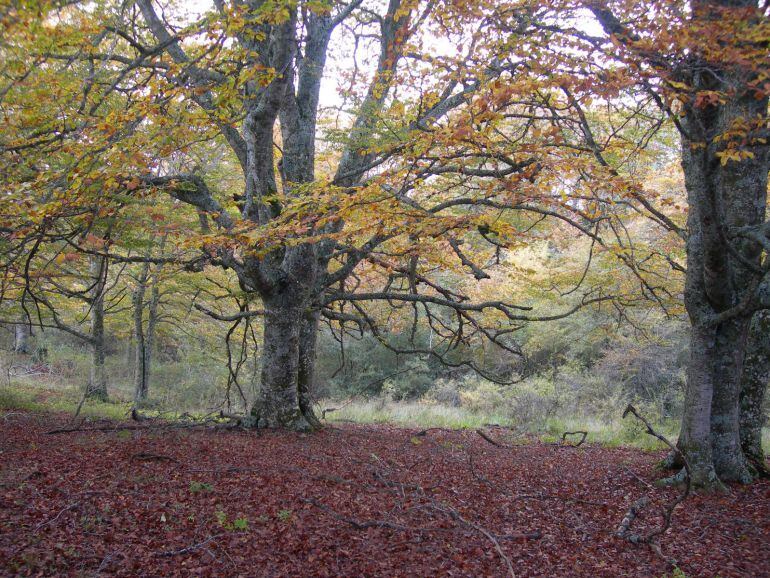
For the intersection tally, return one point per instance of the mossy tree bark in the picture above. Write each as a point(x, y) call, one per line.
point(756, 376)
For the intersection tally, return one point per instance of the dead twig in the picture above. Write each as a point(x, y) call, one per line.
point(49, 521)
point(515, 496)
point(638, 478)
point(147, 457)
point(358, 525)
point(169, 553)
point(574, 433)
point(332, 409)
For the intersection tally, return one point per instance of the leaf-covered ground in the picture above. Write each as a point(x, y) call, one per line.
point(350, 501)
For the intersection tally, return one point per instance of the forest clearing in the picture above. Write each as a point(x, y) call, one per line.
point(384, 288)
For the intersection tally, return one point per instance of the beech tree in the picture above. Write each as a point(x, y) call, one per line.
point(299, 242)
point(441, 148)
point(704, 64)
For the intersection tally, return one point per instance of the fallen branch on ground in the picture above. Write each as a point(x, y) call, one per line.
point(624, 530)
point(491, 440)
point(425, 432)
point(133, 427)
point(563, 443)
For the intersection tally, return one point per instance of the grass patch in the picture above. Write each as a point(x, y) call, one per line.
point(612, 434)
point(38, 399)
point(415, 414)
point(19, 399)
point(410, 414)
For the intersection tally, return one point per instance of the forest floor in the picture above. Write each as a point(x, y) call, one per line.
point(348, 501)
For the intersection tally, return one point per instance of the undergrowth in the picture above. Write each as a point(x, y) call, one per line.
point(35, 397)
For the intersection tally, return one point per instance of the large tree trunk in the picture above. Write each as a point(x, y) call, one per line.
point(695, 433)
point(308, 337)
point(279, 399)
point(756, 376)
point(97, 384)
point(22, 334)
point(287, 278)
point(729, 461)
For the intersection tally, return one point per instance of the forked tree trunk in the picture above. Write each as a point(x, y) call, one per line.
point(145, 340)
point(97, 383)
point(287, 278)
point(756, 375)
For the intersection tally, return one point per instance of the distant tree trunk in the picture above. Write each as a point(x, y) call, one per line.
point(140, 345)
point(97, 385)
point(130, 353)
point(152, 323)
point(145, 341)
point(22, 334)
point(756, 375)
